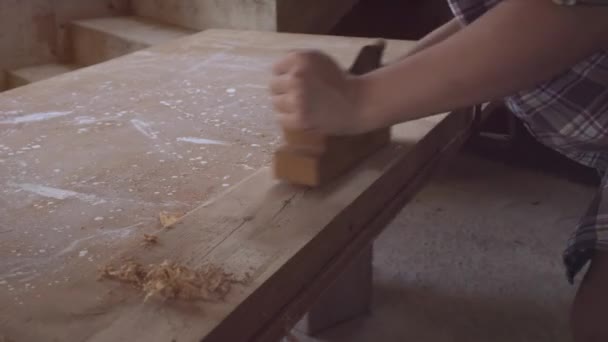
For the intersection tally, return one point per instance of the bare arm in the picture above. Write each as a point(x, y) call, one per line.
point(436, 36)
point(514, 46)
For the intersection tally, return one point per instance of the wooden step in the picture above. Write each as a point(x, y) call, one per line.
point(309, 16)
point(23, 76)
point(98, 40)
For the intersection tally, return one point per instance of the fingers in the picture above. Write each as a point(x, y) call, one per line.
point(296, 62)
point(284, 104)
point(294, 122)
point(284, 84)
point(290, 88)
point(293, 60)
point(291, 113)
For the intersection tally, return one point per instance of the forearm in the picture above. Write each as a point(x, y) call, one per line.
point(436, 36)
point(514, 46)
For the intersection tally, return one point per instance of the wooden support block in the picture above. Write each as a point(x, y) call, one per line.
point(349, 297)
point(101, 39)
point(314, 160)
point(24, 76)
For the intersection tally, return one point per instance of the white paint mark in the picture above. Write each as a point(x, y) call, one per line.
point(34, 117)
point(231, 90)
point(115, 233)
point(144, 128)
point(36, 147)
point(98, 218)
point(201, 141)
point(83, 253)
point(57, 193)
point(84, 120)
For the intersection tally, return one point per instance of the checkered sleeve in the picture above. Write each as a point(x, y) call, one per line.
point(468, 11)
point(581, 2)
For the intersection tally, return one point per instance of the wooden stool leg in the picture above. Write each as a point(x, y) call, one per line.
point(348, 298)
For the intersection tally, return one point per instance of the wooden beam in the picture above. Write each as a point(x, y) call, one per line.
point(411, 181)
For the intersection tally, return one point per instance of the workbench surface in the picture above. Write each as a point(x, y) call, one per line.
point(90, 159)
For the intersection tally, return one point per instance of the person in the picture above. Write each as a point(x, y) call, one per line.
point(548, 60)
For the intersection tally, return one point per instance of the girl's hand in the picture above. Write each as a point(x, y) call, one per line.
point(310, 92)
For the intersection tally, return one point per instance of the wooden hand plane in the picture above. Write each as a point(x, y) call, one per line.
point(312, 159)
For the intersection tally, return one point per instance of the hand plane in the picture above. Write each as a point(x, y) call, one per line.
point(312, 159)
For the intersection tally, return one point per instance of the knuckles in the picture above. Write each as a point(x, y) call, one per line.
point(303, 61)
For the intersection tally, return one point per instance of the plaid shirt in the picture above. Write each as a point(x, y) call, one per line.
point(568, 113)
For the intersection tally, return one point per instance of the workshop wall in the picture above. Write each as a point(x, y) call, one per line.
point(33, 31)
point(203, 14)
point(310, 16)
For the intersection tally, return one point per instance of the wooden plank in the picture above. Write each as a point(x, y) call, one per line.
point(269, 229)
point(93, 156)
point(23, 76)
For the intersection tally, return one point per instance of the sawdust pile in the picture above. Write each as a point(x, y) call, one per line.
point(150, 240)
point(170, 281)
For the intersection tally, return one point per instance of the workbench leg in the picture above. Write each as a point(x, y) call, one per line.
point(349, 297)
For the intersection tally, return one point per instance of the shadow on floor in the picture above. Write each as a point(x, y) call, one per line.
point(419, 314)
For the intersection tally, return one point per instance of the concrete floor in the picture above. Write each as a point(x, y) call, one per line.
point(476, 256)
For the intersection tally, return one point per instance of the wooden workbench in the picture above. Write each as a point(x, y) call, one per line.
point(89, 159)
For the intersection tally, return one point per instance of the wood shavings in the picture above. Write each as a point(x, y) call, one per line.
point(130, 272)
point(170, 281)
point(150, 240)
point(167, 220)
